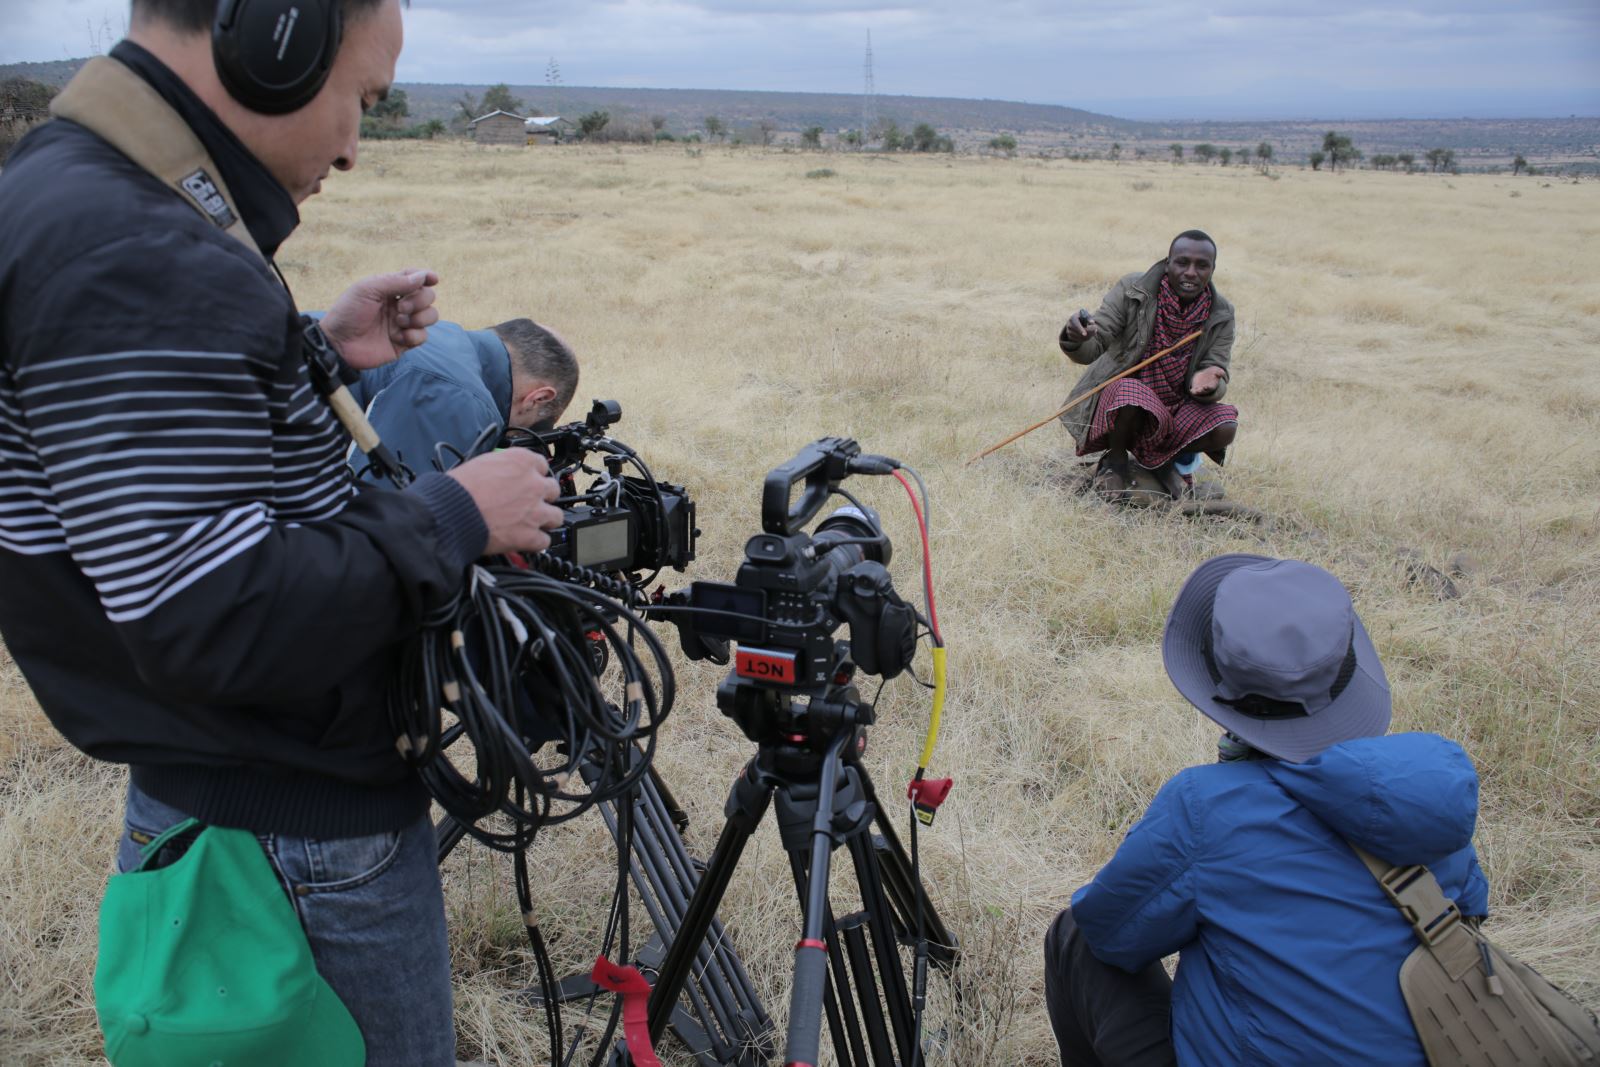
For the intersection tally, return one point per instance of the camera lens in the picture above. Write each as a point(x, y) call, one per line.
point(861, 535)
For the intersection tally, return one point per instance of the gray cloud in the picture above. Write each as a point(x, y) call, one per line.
point(1074, 53)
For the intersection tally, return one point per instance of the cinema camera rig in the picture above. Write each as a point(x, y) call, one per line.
point(621, 524)
point(791, 690)
point(522, 666)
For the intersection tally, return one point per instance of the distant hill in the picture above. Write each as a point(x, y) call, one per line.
point(1039, 128)
point(1477, 142)
point(685, 109)
point(55, 72)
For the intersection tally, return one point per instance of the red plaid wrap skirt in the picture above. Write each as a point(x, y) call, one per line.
point(1171, 429)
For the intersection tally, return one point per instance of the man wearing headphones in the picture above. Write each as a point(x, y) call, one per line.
point(182, 547)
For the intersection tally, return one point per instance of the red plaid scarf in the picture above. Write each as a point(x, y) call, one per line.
point(1173, 321)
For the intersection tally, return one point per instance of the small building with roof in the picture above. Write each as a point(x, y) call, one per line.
point(499, 127)
point(548, 129)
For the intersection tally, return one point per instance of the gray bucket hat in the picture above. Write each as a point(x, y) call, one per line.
point(1272, 651)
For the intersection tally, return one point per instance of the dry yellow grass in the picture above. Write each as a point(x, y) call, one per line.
point(1415, 369)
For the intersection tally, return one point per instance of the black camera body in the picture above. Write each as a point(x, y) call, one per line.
point(621, 523)
point(791, 677)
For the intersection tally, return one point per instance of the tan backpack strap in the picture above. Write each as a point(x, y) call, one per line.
point(1432, 915)
point(123, 109)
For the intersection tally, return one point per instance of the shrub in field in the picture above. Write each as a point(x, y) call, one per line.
point(1339, 151)
point(924, 138)
point(422, 131)
point(591, 124)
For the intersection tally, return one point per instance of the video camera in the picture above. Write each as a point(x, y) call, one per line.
point(792, 592)
point(621, 523)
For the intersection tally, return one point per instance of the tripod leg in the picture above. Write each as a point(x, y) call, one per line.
point(447, 835)
point(905, 892)
point(711, 1003)
point(867, 990)
point(843, 1024)
point(746, 804)
point(803, 1040)
point(887, 948)
point(719, 964)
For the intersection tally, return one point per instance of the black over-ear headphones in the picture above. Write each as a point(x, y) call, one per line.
point(274, 55)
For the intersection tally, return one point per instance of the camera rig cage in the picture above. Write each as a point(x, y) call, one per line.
point(620, 523)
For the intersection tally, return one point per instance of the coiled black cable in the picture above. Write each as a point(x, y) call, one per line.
point(512, 661)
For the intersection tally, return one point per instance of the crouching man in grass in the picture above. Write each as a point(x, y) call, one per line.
point(1288, 950)
point(1167, 414)
point(460, 383)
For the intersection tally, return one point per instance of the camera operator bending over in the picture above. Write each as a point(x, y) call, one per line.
point(458, 382)
point(1289, 951)
point(1168, 413)
point(193, 584)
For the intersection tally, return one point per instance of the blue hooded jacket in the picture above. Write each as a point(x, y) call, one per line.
point(449, 389)
point(1289, 952)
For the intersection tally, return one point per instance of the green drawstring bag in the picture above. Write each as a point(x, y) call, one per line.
point(203, 962)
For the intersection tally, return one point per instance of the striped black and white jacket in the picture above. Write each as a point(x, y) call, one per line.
point(189, 577)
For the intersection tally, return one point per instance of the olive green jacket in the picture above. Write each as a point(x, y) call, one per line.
point(1126, 319)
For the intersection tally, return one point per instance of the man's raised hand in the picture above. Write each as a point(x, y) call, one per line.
point(513, 490)
point(1081, 327)
point(378, 318)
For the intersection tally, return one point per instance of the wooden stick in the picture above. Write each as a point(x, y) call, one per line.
point(1075, 401)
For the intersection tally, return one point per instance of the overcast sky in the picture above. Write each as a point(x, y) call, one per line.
point(1137, 58)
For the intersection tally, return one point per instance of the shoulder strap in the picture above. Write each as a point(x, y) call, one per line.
point(113, 102)
point(1432, 915)
point(120, 107)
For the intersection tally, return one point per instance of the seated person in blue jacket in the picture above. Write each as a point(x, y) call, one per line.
point(459, 382)
point(1288, 950)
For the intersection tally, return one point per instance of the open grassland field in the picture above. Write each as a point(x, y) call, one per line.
point(1416, 369)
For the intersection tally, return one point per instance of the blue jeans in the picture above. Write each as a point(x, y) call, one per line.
point(373, 912)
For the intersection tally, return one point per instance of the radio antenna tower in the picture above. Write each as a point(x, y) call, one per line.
point(869, 96)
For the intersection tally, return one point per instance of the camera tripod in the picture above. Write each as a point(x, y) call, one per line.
point(824, 800)
point(724, 1023)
